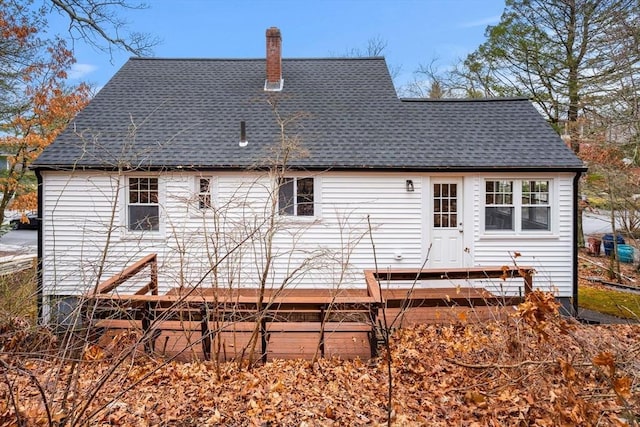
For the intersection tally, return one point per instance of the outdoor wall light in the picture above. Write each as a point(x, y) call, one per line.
point(409, 185)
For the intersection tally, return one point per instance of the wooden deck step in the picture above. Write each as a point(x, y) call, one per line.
point(347, 340)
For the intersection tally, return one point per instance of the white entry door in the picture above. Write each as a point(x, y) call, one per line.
point(446, 223)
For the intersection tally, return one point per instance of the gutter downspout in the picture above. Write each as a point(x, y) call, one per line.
point(39, 289)
point(576, 200)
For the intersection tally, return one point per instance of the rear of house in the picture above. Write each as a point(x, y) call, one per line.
point(299, 174)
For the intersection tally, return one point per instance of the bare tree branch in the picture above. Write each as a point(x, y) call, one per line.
point(98, 21)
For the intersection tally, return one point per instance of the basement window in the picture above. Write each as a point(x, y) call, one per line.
point(295, 197)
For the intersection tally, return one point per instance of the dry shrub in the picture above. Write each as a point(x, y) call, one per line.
point(18, 294)
point(113, 347)
point(18, 335)
point(531, 368)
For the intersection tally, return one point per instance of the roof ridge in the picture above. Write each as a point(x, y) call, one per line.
point(489, 99)
point(328, 58)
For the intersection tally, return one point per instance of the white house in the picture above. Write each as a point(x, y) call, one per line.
point(303, 174)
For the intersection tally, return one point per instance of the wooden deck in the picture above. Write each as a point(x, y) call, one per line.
point(208, 323)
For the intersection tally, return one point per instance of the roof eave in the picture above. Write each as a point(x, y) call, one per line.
point(343, 168)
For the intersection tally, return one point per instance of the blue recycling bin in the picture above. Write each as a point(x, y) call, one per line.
point(607, 241)
point(625, 253)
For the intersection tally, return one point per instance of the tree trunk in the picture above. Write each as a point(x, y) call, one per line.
point(579, 229)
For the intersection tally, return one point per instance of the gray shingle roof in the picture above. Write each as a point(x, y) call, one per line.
point(187, 113)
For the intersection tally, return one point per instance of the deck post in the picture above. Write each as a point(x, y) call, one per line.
point(263, 336)
point(528, 282)
point(154, 275)
point(206, 334)
point(373, 336)
point(322, 325)
point(147, 319)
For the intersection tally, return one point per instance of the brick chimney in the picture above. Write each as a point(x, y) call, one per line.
point(274, 60)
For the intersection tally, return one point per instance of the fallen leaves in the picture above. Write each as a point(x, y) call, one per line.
point(606, 360)
point(461, 374)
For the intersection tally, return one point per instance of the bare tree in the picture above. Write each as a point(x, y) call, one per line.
point(571, 57)
point(36, 103)
point(428, 82)
point(376, 46)
point(100, 24)
point(561, 53)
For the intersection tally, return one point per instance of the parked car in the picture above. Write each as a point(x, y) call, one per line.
point(32, 222)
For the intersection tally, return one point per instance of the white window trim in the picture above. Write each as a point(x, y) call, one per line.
point(517, 205)
point(317, 183)
point(124, 211)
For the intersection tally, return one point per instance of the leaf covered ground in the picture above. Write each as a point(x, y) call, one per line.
point(533, 368)
point(598, 290)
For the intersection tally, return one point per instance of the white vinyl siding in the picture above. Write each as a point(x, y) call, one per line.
point(224, 245)
point(550, 253)
point(329, 251)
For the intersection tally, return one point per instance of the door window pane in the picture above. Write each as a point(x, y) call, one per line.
point(445, 205)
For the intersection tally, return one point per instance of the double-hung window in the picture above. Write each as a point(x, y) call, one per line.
point(536, 211)
point(517, 205)
point(499, 207)
point(295, 197)
point(143, 209)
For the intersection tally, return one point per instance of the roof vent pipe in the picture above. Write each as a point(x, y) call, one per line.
point(243, 134)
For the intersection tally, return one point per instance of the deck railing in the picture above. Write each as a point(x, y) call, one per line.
point(287, 310)
point(113, 282)
point(416, 297)
point(317, 310)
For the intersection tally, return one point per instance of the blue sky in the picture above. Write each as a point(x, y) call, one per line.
point(416, 31)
